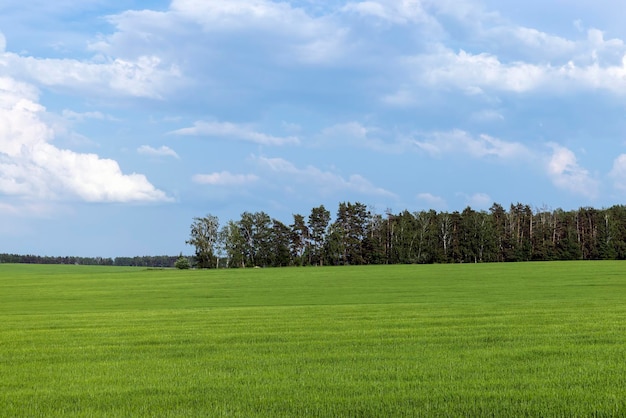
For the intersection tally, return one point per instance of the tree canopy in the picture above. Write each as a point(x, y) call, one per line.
point(357, 235)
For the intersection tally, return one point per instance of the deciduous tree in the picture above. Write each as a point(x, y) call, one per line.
point(203, 236)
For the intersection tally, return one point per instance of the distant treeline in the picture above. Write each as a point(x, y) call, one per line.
point(141, 261)
point(356, 236)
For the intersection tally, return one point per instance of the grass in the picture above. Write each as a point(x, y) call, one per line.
point(527, 339)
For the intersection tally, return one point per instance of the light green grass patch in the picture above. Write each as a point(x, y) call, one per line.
point(531, 339)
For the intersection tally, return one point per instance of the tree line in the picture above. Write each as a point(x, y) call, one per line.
point(137, 261)
point(356, 235)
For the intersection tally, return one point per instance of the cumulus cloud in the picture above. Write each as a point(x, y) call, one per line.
point(565, 173)
point(162, 151)
point(31, 167)
point(325, 180)
point(234, 131)
point(225, 178)
point(479, 147)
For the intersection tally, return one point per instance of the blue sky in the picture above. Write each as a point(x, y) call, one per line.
point(121, 121)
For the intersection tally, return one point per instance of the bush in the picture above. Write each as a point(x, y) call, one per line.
point(182, 263)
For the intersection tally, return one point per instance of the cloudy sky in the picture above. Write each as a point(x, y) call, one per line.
point(121, 121)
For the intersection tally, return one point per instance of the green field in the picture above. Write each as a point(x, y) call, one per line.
point(524, 339)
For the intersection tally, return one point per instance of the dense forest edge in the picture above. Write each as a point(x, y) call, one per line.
point(358, 236)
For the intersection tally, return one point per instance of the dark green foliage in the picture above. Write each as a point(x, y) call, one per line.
point(357, 236)
point(300, 240)
point(319, 220)
point(350, 227)
point(280, 240)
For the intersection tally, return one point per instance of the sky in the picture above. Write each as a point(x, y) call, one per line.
point(122, 121)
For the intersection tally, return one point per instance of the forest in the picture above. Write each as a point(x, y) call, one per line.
point(359, 236)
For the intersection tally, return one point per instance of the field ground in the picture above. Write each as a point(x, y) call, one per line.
point(524, 339)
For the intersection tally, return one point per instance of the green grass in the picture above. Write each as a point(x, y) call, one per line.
point(527, 339)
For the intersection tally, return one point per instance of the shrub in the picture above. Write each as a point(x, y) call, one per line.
point(182, 263)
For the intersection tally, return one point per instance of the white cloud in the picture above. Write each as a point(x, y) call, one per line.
point(530, 43)
point(539, 40)
point(225, 178)
point(432, 201)
point(162, 151)
point(474, 72)
point(236, 14)
point(618, 173)
point(31, 167)
point(398, 12)
point(144, 76)
point(326, 181)
point(286, 33)
point(479, 73)
point(565, 173)
point(82, 116)
point(234, 131)
point(542, 63)
point(458, 141)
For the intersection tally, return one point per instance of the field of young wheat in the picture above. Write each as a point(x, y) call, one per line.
point(524, 339)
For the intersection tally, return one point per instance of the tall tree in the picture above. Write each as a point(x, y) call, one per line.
point(352, 223)
point(280, 240)
point(233, 244)
point(616, 225)
point(402, 234)
point(203, 236)
point(300, 239)
point(333, 250)
point(256, 230)
point(502, 236)
point(374, 242)
point(319, 220)
point(445, 226)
